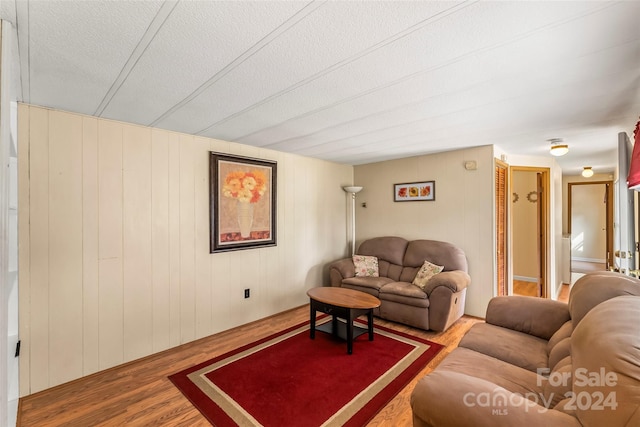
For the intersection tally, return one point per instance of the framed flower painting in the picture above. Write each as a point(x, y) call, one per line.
point(414, 191)
point(242, 202)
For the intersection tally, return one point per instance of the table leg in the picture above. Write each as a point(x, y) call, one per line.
point(370, 322)
point(350, 332)
point(312, 321)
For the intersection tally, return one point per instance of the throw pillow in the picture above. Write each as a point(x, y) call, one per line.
point(426, 272)
point(366, 266)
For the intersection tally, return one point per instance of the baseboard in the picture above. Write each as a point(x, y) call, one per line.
point(575, 258)
point(526, 279)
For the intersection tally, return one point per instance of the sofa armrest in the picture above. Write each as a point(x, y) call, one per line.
point(340, 270)
point(455, 280)
point(531, 315)
point(451, 399)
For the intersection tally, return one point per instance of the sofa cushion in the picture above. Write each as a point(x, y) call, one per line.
point(365, 266)
point(562, 333)
point(408, 274)
point(510, 377)
point(564, 362)
point(426, 272)
point(393, 271)
point(388, 248)
point(520, 349)
point(559, 352)
point(405, 301)
point(557, 386)
point(405, 293)
point(439, 253)
point(367, 282)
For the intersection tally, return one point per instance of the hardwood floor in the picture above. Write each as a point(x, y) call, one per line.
point(531, 290)
point(587, 267)
point(527, 289)
point(140, 394)
point(563, 296)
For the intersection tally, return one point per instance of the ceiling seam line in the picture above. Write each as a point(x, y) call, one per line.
point(23, 54)
point(149, 35)
point(403, 137)
point(20, 53)
point(383, 43)
point(410, 105)
point(425, 71)
point(28, 49)
point(408, 145)
point(257, 47)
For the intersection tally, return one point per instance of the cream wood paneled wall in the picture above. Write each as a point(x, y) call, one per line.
point(114, 243)
point(463, 212)
point(4, 235)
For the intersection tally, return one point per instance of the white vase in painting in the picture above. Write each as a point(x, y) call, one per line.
point(245, 218)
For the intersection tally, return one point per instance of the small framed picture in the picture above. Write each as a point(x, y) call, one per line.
point(414, 191)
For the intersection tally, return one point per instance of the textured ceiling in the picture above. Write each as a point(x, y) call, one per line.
point(347, 81)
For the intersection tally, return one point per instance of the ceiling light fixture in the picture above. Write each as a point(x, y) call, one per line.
point(587, 172)
point(557, 147)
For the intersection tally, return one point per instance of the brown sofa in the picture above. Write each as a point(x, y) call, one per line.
point(437, 307)
point(539, 362)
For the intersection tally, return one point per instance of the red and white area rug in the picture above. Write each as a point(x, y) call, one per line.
point(287, 379)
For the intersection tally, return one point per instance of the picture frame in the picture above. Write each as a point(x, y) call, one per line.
point(242, 200)
point(423, 191)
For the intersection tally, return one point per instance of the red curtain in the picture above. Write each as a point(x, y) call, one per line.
point(633, 180)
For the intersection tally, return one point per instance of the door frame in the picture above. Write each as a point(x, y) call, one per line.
point(502, 241)
point(544, 221)
point(609, 215)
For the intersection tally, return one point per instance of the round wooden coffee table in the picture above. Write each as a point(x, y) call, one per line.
point(342, 303)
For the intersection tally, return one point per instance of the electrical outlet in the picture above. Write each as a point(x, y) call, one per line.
point(247, 293)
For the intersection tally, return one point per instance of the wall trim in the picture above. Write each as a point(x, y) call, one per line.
point(525, 279)
point(600, 260)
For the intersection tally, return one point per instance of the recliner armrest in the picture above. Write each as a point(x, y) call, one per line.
point(531, 315)
point(340, 270)
point(455, 280)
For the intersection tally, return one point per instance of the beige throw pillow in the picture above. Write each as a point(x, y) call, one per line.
point(426, 272)
point(366, 266)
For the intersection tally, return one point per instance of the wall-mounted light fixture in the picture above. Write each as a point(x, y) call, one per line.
point(557, 147)
point(587, 172)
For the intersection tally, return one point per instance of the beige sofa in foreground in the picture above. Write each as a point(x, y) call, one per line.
point(538, 362)
point(436, 307)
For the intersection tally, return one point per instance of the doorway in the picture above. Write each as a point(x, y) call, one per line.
point(530, 230)
point(590, 224)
